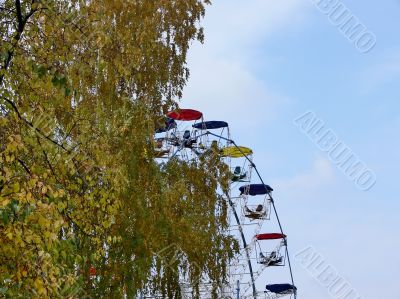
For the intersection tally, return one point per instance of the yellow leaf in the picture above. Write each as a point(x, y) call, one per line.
point(44, 190)
point(5, 202)
point(16, 187)
point(29, 197)
point(42, 221)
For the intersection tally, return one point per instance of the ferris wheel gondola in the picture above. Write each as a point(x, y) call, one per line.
point(273, 257)
point(273, 291)
point(239, 160)
point(177, 138)
point(260, 211)
point(213, 142)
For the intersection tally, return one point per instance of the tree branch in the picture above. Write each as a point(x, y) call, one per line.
point(19, 16)
point(32, 126)
point(24, 166)
point(47, 160)
point(20, 29)
point(78, 226)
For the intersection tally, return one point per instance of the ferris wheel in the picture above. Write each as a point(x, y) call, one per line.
point(187, 137)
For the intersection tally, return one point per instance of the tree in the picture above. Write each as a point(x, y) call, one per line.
point(84, 207)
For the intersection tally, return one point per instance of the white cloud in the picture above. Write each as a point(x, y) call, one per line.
point(224, 90)
point(320, 174)
point(382, 72)
point(234, 24)
point(223, 84)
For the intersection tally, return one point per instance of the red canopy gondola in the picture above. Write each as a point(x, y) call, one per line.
point(273, 236)
point(92, 271)
point(185, 114)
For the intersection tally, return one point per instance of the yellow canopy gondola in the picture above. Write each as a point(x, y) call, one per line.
point(236, 152)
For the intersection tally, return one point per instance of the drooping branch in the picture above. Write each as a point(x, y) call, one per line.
point(15, 108)
point(19, 16)
point(24, 166)
point(21, 22)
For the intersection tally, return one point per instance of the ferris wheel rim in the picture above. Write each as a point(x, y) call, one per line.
point(232, 150)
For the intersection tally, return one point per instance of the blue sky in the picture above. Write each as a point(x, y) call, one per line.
point(263, 64)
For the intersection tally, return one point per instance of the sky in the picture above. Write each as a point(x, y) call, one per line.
point(263, 65)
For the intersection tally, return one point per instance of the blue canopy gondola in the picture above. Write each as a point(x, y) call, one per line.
point(255, 189)
point(281, 289)
point(169, 124)
point(208, 125)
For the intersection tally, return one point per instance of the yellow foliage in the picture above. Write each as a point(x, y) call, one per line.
point(82, 86)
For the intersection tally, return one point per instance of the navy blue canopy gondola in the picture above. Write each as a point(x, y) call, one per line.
point(169, 124)
point(284, 288)
point(208, 125)
point(255, 189)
